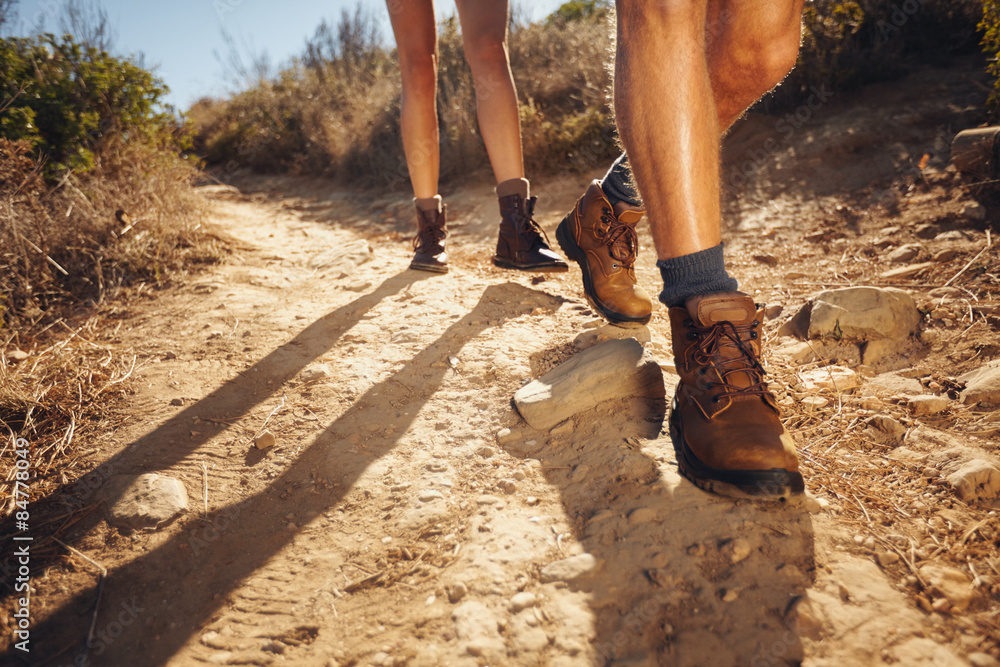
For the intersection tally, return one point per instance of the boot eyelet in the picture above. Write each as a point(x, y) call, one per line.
point(753, 335)
point(688, 323)
point(715, 399)
point(614, 266)
point(755, 324)
point(692, 335)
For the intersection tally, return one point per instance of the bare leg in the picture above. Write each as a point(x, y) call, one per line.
point(668, 121)
point(484, 36)
point(415, 28)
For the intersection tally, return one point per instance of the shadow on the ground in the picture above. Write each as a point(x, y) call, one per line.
point(687, 578)
point(180, 584)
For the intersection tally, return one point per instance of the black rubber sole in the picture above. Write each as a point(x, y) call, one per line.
point(774, 484)
point(575, 253)
point(531, 268)
point(431, 268)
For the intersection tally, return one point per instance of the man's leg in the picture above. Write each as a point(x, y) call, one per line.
point(724, 421)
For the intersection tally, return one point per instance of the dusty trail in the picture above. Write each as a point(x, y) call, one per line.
point(406, 514)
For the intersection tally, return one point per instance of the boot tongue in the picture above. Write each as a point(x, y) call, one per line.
point(710, 309)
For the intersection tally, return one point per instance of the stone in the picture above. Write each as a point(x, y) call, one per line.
point(641, 515)
point(525, 637)
point(887, 558)
point(315, 372)
point(16, 356)
point(923, 652)
point(609, 370)
point(885, 430)
point(974, 480)
point(856, 314)
point(905, 253)
point(522, 600)
point(894, 383)
point(265, 441)
point(566, 428)
point(486, 451)
point(925, 230)
point(908, 271)
point(457, 591)
point(477, 628)
point(797, 351)
point(814, 403)
point(953, 235)
point(147, 501)
point(570, 569)
point(736, 550)
point(805, 616)
point(833, 378)
point(428, 495)
point(773, 311)
point(946, 293)
point(508, 486)
point(949, 583)
point(973, 211)
point(982, 660)
point(342, 260)
point(945, 255)
point(928, 405)
point(982, 385)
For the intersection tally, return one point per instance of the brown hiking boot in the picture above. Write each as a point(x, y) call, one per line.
point(428, 246)
point(724, 421)
point(604, 243)
point(522, 244)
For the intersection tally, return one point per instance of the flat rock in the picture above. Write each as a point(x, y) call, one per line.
point(976, 479)
point(905, 253)
point(315, 372)
point(857, 314)
point(609, 370)
point(908, 271)
point(982, 385)
point(522, 600)
point(894, 383)
point(146, 501)
point(928, 405)
point(949, 583)
point(570, 569)
point(885, 429)
point(833, 378)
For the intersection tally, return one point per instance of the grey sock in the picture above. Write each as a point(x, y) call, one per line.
point(618, 185)
point(702, 272)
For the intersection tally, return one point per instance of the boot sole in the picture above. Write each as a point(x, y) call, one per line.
point(575, 253)
point(774, 484)
point(428, 267)
point(534, 268)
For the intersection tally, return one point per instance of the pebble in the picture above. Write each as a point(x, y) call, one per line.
point(531, 500)
point(887, 558)
point(457, 591)
point(504, 436)
point(579, 473)
point(265, 441)
point(730, 595)
point(569, 569)
point(437, 466)
point(508, 486)
point(522, 601)
point(977, 479)
point(486, 451)
point(736, 550)
point(427, 495)
point(982, 660)
point(487, 499)
point(566, 428)
point(641, 515)
point(928, 405)
point(949, 583)
point(221, 658)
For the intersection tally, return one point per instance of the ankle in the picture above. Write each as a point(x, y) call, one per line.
point(703, 272)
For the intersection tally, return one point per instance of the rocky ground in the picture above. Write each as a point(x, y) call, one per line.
point(348, 481)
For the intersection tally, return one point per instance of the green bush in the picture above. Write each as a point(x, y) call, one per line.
point(990, 27)
point(65, 98)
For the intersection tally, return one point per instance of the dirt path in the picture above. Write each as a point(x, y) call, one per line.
point(406, 514)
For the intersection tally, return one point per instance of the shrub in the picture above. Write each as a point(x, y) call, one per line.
point(990, 27)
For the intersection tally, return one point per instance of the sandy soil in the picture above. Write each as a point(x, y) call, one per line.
point(406, 510)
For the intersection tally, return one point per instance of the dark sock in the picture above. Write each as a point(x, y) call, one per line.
point(702, 272)
point(618, 185)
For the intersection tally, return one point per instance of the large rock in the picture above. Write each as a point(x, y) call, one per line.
point(146, 501)
point(609, 370)
point(976, 479)
point(859, 314)
point(949, 583)
point(983, 384)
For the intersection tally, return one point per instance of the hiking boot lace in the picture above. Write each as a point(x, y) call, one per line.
point(621, 238)
point(529, 227)
point(705, 354)
point(429, 235)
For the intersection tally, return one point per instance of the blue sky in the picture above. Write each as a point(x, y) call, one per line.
point(179, 37)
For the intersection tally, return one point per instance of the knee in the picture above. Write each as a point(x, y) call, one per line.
point(418, 69)
point(485, 53)
point(768, 55)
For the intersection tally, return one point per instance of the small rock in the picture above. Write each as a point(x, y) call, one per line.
point(457, 591)
point(522, 600)
point(315, 372)
point(477, 628)
point(856, 314)
point(264, 441)
point(977, 479)
point(508, 486)
point(531, 501)
point(973, 211)
point(427, 495)
point(798, 352)
point(608, 370)
point(579, 473)
point(773, 310)
point(953, 235)
point(806, 618)
point(736, 550)
point(925, 230)
point(813, 403)
point(887, 558)
point(486, 451)
point(146, 501)
point(570, 569)
point(566, 428)
point(436, 466)
point(930, 336)
point(505, 436)
point(905, 253)
point(641, 515)
point(908, 271)
point(221, 658)
point(982, 385)
point(945, 255)
point(949, 583)
point(886, 429)
point(16, 355)
point(834, 378)
point(208, 637)
point(487, 500)
point(766, 258)
point(730, 595)
point(176, 402)
point(928, 405)
point(982, 660)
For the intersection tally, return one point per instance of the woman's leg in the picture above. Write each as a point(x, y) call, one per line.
point(484, 36)
point(415, 29)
